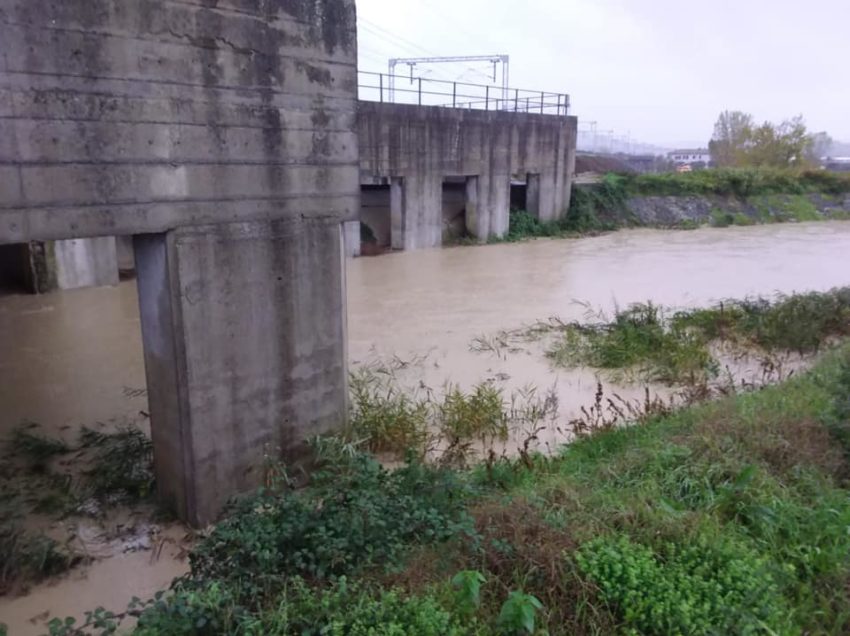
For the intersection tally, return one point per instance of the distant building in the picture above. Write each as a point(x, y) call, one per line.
point(694, 158)
point(837, 164)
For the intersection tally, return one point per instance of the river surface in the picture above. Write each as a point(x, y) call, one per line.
point(74, 358)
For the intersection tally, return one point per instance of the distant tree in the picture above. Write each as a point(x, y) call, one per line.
point(738, 142)
point(731, 135)
point(822, 145)
point(787, 145)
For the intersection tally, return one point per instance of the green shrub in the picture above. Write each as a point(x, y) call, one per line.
point(342, 609)
point(697, 588)
point(739, 182)
point(354, 514)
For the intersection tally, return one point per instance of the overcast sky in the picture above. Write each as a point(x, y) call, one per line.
point(659, 69)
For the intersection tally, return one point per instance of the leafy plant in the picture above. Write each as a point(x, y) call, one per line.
point(518, 614)
point(467, 586)
point(686, 589)
point(355, 514)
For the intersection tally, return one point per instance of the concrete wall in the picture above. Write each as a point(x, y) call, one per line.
point(121, 117)
point(417, 147)
point(223, 131)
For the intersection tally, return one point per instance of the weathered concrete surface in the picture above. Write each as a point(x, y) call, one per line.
point(89, 262)
point(224, 131)
point(247, 321)
point(417, 147)
point(351, 238)
point(122, 117)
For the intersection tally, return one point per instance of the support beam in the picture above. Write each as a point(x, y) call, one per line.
point(243, 327)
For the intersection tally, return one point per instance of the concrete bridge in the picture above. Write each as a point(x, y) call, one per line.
point(225, 138)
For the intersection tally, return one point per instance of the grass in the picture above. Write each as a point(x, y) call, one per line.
point(769, 195)
point(727, 517)
point(738, 182)
point(661, 345)
point(446, 426)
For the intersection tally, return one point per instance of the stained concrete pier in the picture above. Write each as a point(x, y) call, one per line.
point(222, 136)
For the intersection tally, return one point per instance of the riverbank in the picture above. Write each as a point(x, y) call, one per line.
point(715, 198)
point(729, 517)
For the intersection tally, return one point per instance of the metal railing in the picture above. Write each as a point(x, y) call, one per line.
point(420, 91)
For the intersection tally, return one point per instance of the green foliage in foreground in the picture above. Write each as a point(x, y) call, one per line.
point(730, 517)
point(685, 589)
point(673, 347)
point(356, 514)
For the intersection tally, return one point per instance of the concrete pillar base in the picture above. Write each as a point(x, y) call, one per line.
point(90, 262)
point(351, 236)
point(416, 212)
point(243, 327)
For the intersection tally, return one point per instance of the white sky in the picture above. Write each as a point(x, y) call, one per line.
point(659, 69)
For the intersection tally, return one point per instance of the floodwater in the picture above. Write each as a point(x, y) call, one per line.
point(74, 358)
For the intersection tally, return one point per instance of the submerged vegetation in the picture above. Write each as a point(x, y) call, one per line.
point(676, 347)
point(727, 517)
point(45, 475)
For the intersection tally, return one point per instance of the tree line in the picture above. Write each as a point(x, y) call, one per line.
point(739, 142)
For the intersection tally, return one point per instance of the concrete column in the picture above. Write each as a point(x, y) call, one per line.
point(351, 238)
point(91, 262)
point(532, 194)
point(472, 206)
point(124, 249)
point(243, 327)
point(492, 204)
point(416, 212)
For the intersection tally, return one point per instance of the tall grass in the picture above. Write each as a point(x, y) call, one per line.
point(674, 346)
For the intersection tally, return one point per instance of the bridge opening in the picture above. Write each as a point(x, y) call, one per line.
point(525, 193)
point(375, 219)
point(16, 273)
point(454, 209)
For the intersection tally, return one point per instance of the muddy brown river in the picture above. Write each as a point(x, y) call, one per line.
point(74, 358)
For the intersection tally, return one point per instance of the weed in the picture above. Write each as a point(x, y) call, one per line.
point(36, 449)
point(26, 557)
point(467, 586)
point(518, 614)
point(121, 464)
point(685, 589)
point(672, 347)
point(386, 416)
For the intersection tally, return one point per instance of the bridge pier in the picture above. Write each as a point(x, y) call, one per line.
point(243, 327)
point(222, 136)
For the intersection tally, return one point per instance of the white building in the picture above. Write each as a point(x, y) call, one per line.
point(690, 157)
